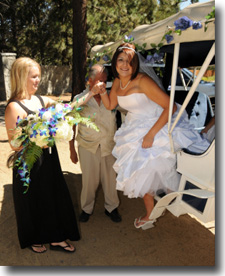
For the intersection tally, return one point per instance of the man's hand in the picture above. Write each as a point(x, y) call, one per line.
point(73, 155)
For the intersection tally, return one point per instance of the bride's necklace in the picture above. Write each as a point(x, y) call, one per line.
point(122, 88)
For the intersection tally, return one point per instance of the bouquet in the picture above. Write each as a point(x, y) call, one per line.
point(40, 130)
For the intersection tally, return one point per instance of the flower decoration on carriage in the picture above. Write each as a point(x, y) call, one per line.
point(43, 129)
point(128, 38)
point(154, 58)
point(183, 23)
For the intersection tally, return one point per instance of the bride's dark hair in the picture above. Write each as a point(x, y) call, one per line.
point(129, 50)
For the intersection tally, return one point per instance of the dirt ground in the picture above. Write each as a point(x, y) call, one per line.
point(172, 242)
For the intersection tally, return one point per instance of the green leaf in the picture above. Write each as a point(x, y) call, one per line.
point(31, 154)
point(153, 45)
point(160, 45)
point(178, 32)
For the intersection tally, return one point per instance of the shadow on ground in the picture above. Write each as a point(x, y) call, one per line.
point(173, 242)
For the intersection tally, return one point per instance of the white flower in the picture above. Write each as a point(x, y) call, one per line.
point(64, 131)
point(31, 117)
point(58, 107)
point(39, 140)
point(16, 143)
point(47, 115)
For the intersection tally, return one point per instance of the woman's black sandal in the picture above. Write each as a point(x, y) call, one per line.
point(62, 248)
point(37, 246)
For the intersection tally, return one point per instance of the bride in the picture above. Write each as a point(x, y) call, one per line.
point(144, 162)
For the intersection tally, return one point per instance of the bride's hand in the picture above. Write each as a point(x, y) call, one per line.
point(147, 141)
point(98, 88)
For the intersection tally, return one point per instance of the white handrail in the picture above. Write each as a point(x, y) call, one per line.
point(183, 80)
point(172, 91)
point(193, 88)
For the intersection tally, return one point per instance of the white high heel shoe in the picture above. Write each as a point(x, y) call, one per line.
point(146, 223)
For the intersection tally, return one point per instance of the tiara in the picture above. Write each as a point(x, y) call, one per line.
point(126, 47)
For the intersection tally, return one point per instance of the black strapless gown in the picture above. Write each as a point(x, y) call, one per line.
point(45, 213)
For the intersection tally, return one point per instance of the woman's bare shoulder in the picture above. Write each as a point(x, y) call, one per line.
point(116, 84)
point(144, 77)
point(12, 106)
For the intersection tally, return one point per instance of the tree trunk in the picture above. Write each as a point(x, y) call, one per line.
point(79, 45)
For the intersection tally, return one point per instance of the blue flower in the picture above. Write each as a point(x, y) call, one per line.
point(23, 170)
point(18, 120)
point(34, 134)
point(52, 131)
point(52, 122)
point(43, 132)
point(58, 115)
point(67, 107)
point(196, 25)
point(22, 173)
point(183, 23)
point(51, 108)
point(97, 58)
point(149, 59)
point(26, 179)
point(105, 58)
point(168, 38)
point(41, 112)
point(156, 57)
point(128, 38)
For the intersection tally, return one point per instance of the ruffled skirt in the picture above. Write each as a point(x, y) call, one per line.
point(140, 171)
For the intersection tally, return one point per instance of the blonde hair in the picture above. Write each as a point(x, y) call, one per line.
point(18, 76)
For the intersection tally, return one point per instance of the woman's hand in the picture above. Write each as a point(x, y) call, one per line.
point(147, 141)
point(16, 149)
point(98, 88)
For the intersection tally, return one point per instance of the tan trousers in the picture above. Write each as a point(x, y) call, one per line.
point(96, 170)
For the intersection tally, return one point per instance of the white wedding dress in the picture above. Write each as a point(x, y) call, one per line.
point(140, 171)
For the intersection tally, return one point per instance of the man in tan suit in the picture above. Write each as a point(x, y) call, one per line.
point(95, 149)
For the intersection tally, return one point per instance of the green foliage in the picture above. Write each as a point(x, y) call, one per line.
point(166, 8)
point(208, 17)
point(38, 29)
point(109, 20)
point(83, 120)
point(43, 30)
point(32, 154)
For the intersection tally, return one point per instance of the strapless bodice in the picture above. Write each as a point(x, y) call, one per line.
point(139, 104)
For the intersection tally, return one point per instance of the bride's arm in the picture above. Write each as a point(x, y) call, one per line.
point(82, 100)
point(110, 101)
point(77, 102)
point(153, 92)
point(86, 96)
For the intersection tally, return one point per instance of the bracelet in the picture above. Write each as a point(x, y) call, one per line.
point(104, 93)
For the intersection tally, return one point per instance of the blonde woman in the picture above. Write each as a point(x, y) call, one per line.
point(45, 214)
